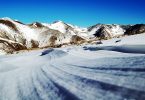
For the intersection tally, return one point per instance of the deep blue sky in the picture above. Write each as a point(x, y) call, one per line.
point(78, 12)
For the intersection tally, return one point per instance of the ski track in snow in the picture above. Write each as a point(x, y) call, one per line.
point(72, 74)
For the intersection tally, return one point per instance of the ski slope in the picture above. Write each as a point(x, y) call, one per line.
point(87, 72)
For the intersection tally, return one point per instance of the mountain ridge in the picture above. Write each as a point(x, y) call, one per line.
point(56, 34)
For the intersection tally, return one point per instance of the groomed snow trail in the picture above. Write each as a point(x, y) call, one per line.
point(72, 73)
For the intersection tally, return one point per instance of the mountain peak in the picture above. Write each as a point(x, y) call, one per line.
point(37, 24)
point(58, 21)
point(6, 18)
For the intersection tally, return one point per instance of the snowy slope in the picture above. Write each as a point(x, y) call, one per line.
point(75, 72)
point(64, 28)
point(58, 25)
point(134, 43)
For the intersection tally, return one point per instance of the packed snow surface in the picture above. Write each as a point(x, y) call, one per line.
point(87, 72)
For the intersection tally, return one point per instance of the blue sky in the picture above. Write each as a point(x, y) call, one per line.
point(78, 12)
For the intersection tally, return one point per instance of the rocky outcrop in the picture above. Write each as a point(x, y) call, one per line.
point(106, 31)
point(103, 33)
point(36, 25)
point(77, 39)
point(10, 47)
point(9, 24)
point(135, 29)
point(34, 44)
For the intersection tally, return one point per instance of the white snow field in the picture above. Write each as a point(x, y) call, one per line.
point(114, 70)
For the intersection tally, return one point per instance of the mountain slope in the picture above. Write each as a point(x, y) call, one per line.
point(106, 31)
point(34, 35)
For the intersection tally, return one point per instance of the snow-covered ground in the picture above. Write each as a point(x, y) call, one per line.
point(114, 70)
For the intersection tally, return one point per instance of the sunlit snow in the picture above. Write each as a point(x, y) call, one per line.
point(87, 72)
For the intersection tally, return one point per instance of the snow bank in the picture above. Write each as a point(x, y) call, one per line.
point(128, 44)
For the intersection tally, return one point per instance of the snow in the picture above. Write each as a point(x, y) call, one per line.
point(134, 39)
point(28, 32)
point(2, 52)
point(117, 30)
point(59, 25)
point(94, 30)
point(7, 29)
point(79, 29)
point(2, 26)
point(114, 30)
point(75, 72)
point(6, 18)
point(24, 31)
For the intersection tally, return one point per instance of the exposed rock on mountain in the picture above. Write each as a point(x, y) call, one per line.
point(9, 24)
point(135, 29)
point(106, 31)
point(36, 25)
point(77, 39)
point(10, 46)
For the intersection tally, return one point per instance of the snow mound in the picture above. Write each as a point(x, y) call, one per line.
point(128, 44)
point(54, 53)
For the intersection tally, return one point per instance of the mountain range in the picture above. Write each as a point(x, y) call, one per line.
point(15, 35)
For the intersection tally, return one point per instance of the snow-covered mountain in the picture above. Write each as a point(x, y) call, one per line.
point(15, 35)
point(36, 34)
point(106, 30)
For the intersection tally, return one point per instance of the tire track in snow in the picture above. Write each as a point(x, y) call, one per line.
point(133, 80)
point(57, 79)
point(116, 90)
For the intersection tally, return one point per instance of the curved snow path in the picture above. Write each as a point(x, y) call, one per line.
point(72, 74)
